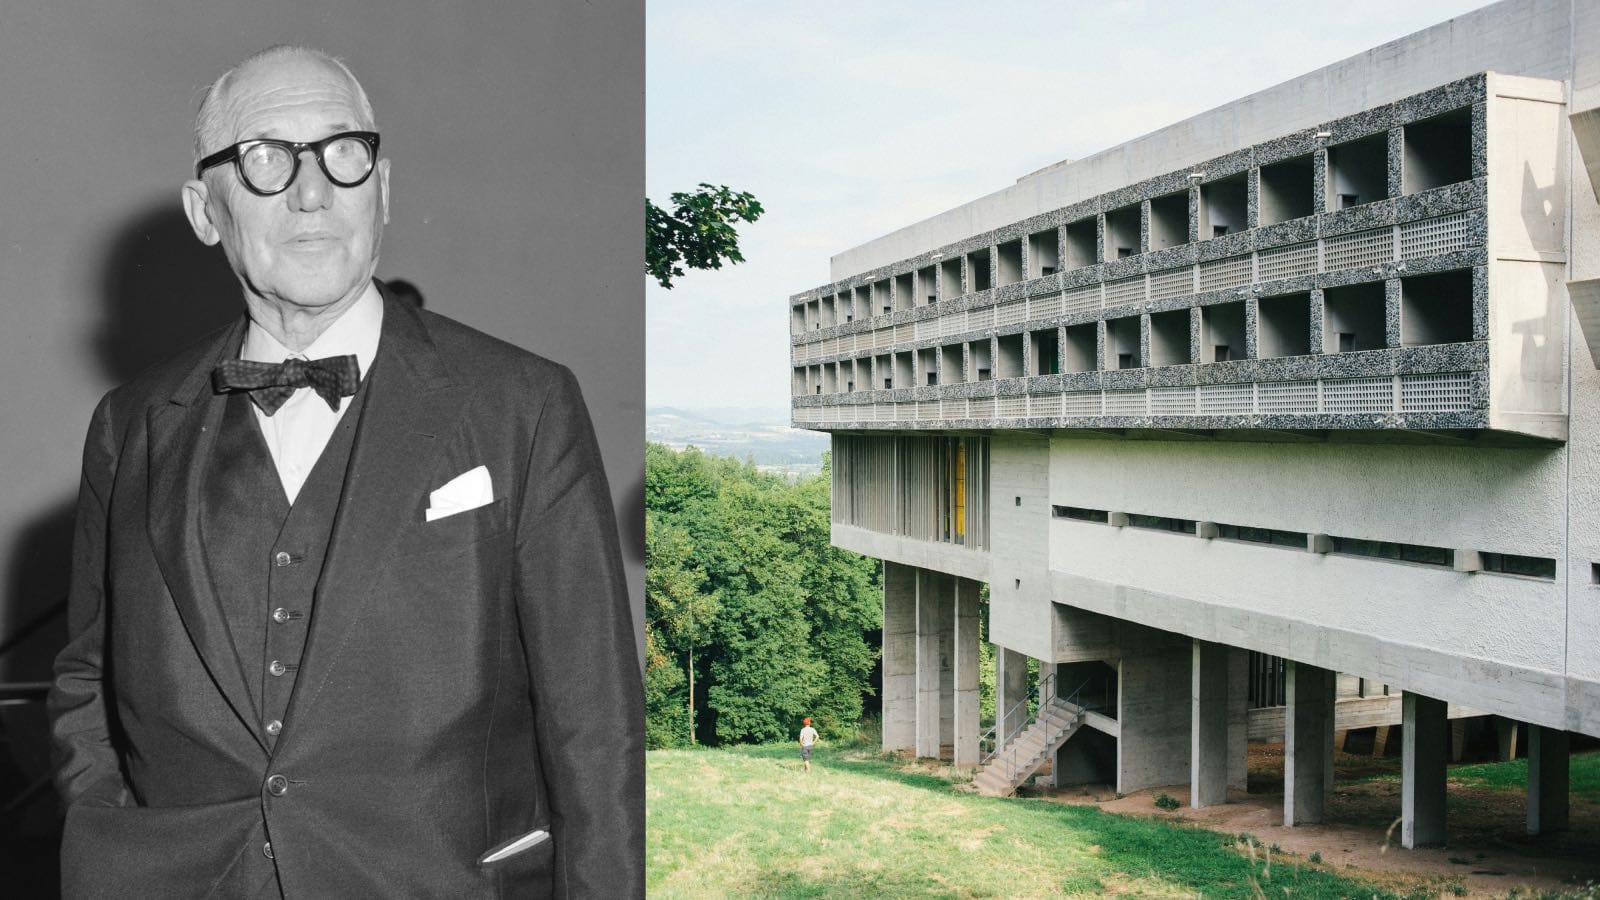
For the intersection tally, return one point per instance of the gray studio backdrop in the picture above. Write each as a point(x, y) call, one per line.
point(515, 131)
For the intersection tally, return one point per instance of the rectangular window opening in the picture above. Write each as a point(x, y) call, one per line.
point(1358, 171)
point(1169, 221)
point(1394, 551)
point(1161, 523)
point(1224, 205)
point(1122, 230)
point(1080, 514)
point(1288, 189)
point(1044, 255)
point(1512, 564)
point(1222, 329)
point(1080, 244)
point(1352, 318)
point(1283, 325)
point(1009, 268)
point(1169, 338)
point(1436, 309)
point(1438, 151)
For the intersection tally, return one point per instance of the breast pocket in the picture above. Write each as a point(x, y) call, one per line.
point(455, 532)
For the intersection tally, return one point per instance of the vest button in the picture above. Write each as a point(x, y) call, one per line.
point(280, 615)
point(273, 728)
point(277, 668)
point(266, 850)
point(281, 559)
point(277, 785)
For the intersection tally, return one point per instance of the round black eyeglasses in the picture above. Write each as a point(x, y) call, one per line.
point(267, 166)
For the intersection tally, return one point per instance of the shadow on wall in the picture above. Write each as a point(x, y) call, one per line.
point(160, 290)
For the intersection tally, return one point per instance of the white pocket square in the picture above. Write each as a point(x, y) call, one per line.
point(469, 490)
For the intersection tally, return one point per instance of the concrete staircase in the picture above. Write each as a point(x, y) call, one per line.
point(1014, 763)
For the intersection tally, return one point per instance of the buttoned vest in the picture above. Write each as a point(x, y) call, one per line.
point(264, 555)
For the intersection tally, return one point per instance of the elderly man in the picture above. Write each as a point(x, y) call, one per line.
point(347, 617)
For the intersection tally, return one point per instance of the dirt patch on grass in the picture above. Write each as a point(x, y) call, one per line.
point(1489, 852)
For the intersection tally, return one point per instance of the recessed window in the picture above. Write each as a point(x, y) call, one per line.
point(1078, 353)
point(1009, 267)
point(1438, 151)
point(1045, 348)
point(979, 276)
point(950, 279)
point(1436, 309)
point(1122, 343)
point(1283, 325)
point(1079, 513)
point(1169, 220)
point(1010, 361)
point(1122, 232)
point(927, 290)
point(1161, 523)
point(1044, 256)
point(1287, 190)
point(882, 304)
point(1358, 172)
point(950, 365)
point(1080, 244)
point(1223, 206)
point(1169, 338)
point(905, 293)
point(1222, 332)
point(981, 364)
point(1512, 564)
point(1414, 553)
point(1352, 318)
point(1275, 536)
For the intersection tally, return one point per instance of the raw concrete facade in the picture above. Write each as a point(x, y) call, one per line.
point(1308, 376)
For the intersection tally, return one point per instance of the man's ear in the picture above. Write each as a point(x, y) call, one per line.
point(195, 193)
point(383, 187)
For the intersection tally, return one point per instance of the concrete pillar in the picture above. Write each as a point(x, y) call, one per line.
point(1208, 729)
point(1424, 741)
point(1011, 688)
point(965, 725)
point(1153, 699)
point(1548, 750)
point(1307, 742)
point(899, 657)
point(1506, 737)
point(1238, 718)
point(930, 620)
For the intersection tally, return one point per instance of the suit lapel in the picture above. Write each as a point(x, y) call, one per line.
point(182, 432)
point(411, 406)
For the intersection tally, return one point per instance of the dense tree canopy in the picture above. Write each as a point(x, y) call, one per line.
point(746, 597)
point(696, 232)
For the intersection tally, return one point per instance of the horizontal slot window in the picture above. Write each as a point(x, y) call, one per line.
point(1161, 523)
point(1080, 514)
point(1412, 553)
point(1275, 536)
point(1512, 564)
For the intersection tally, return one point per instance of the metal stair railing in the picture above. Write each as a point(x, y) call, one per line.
point(1006, 755)
point(1017, 713)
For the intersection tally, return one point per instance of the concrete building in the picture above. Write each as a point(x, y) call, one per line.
point(1293, 400)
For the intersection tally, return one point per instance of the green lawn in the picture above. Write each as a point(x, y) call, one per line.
point(749, 822)
point(1583, 769)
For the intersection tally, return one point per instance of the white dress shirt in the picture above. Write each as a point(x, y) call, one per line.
point(299, 430)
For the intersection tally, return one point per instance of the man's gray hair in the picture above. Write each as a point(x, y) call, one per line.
point(209, 129)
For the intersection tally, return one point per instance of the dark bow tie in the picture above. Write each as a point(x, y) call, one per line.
point(270, 385)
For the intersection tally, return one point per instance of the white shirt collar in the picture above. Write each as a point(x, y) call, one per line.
point(355, 331)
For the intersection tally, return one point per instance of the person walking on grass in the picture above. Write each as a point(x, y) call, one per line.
point(808, 738)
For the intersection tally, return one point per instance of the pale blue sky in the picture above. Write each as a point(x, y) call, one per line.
point(850, 120)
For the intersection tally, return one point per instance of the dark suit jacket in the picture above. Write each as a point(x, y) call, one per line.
point(464, 681)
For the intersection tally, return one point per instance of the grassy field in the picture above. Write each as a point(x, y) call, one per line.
point(749, 822)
